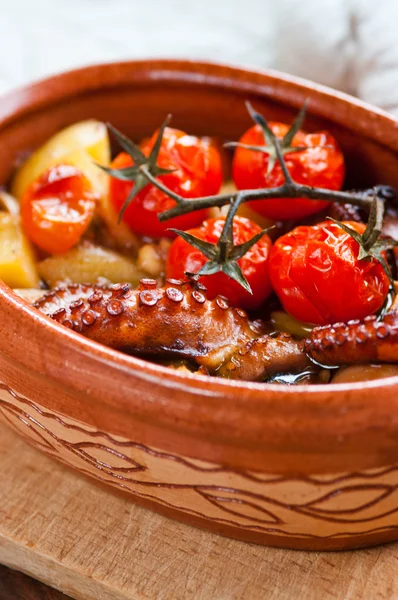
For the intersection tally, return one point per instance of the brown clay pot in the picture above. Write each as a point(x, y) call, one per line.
point(300, 467)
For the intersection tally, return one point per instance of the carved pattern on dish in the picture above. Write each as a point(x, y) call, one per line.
point(317, 507)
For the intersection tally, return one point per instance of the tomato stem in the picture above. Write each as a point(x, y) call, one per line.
point(226, 241)
point(287, 190)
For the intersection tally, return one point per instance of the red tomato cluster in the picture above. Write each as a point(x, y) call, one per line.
point(318, 278)
point(314, 270)
point(321, 165)
point(254, 264)
point(197, 172)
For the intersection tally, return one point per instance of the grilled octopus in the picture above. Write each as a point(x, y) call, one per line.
point(178, 320)
point(355, 342)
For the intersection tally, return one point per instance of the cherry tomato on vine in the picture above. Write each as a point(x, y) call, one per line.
point(183, 258)
point(57, 208)
point(318, 278)
point(198, 172)
point(320, 165)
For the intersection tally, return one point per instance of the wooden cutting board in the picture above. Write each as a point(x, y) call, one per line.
point(65, 531)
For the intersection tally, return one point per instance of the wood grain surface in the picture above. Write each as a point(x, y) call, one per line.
point(60, 528)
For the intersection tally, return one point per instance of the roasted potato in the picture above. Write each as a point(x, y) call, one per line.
point(87, 263)
point(17, 260)
point(87, 141)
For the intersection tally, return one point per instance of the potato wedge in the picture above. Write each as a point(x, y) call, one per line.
point(86, 264)
point(9, 204)
point(355, 373)
point(87, 137)
point(17, 259)
point(98, 178)
point(120, 233)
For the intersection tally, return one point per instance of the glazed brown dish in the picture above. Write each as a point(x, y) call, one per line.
point(266, 462)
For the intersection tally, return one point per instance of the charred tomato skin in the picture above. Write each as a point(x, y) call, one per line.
point(197, 172)
point(184, 258)
point(318, 278)
point(320, 165)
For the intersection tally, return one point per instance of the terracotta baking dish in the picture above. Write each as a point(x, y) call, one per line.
point(299, 467)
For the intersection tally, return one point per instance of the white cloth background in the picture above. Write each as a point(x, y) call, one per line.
point(348, 44)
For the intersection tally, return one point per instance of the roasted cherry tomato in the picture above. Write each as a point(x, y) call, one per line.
point(198, 172)
point(318, 278)
point(57, 208)
point(183, 258)
point(321, 165)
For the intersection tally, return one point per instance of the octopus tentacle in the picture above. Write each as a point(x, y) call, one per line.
point(347, 212)
point(355, 342)
point(261, 358)
point(174, 319)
